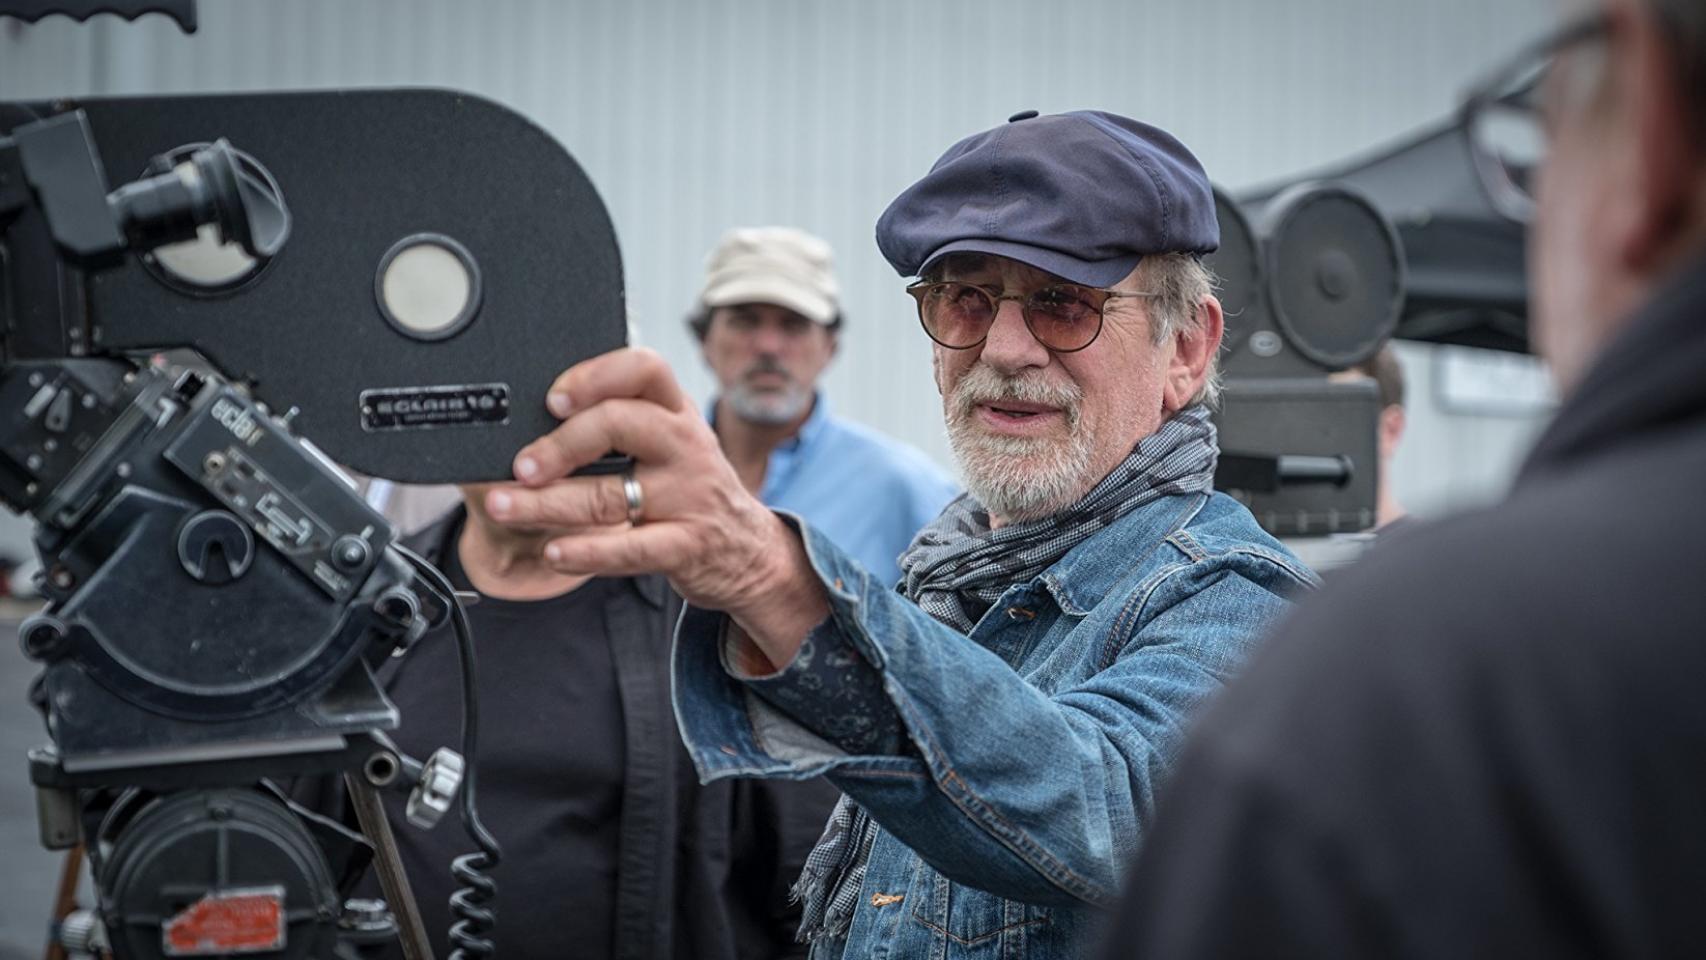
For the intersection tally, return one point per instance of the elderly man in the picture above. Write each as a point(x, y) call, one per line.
point(999, 726)
point(1511, 763)
point(769, 321)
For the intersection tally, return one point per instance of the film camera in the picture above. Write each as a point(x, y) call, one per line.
point(185, 359)
point(1401, 241)
point(1313, 282)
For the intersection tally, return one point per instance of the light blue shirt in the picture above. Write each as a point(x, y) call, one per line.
point(866, 492)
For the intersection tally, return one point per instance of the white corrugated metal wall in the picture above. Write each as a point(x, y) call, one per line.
point(696, 115)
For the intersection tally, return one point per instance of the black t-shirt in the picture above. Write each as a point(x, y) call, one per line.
point(551, 759)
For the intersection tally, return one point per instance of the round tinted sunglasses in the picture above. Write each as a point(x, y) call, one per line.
point(1064, 317)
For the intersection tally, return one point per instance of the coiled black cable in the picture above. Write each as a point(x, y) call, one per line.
point(471, 933)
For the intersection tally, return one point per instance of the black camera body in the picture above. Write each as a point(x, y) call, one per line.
point(150, 483)
point(218, 593)
point(171, 726)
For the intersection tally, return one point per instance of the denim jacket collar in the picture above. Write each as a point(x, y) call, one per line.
point(1081, 579)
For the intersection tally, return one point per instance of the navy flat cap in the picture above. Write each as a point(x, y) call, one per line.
point(1082, 195)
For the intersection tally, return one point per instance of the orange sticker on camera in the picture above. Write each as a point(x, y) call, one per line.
point(249, 920)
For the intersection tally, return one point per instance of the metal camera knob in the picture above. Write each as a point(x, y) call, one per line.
point(441, 777)
point(83, 932)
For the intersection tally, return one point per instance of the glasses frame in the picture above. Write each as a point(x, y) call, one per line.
point(1502, 89)
point(920, 288)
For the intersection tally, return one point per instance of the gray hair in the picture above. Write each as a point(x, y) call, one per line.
point(1181, 282)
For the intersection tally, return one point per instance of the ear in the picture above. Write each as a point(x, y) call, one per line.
point(1666, 157)
point(1194, 349)
point(1391, 430)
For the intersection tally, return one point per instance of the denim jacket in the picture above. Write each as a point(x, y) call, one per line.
point(1033, 746)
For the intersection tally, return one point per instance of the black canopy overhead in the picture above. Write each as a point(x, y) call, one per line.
point(1467, 283)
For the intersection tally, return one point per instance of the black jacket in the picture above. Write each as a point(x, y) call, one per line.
point(703, 870)
point(1487, 739)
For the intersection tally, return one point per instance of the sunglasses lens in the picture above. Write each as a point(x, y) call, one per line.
point(956, 314)
point(1063, 317)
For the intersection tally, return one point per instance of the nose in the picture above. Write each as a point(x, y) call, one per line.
point(1010, 346)
point(769, 338)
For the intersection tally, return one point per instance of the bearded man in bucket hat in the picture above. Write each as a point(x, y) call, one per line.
point(769, 321)
point(1000, 722)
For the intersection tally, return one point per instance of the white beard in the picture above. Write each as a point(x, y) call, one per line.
point(1018, 478)
point(770, 408)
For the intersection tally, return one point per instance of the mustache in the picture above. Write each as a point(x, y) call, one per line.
point(766, 364)
point(983, 384)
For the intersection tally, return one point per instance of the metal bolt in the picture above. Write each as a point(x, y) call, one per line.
point(123, 470)
point(364, 915)
point(88, 401)
point(49, 445)
point(35, 379)
point(34, 461)
point(214, 462)
point(350, 552)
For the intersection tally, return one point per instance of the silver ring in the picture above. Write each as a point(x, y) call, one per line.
point(635, 496)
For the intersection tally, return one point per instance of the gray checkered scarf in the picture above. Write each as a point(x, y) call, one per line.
point(956, 569)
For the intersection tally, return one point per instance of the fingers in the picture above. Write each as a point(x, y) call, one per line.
point(630, 373)
point(622, 552)
point(639, 428)
point(572, 502)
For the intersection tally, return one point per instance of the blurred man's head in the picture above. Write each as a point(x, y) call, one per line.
point(1388, 376)
point(1621, 196)
point(1061, 283)
point(767, 320)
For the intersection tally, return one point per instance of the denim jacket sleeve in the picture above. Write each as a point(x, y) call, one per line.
point(1032, 796)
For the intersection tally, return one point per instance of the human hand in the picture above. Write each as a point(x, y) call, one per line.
point(697, 524)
